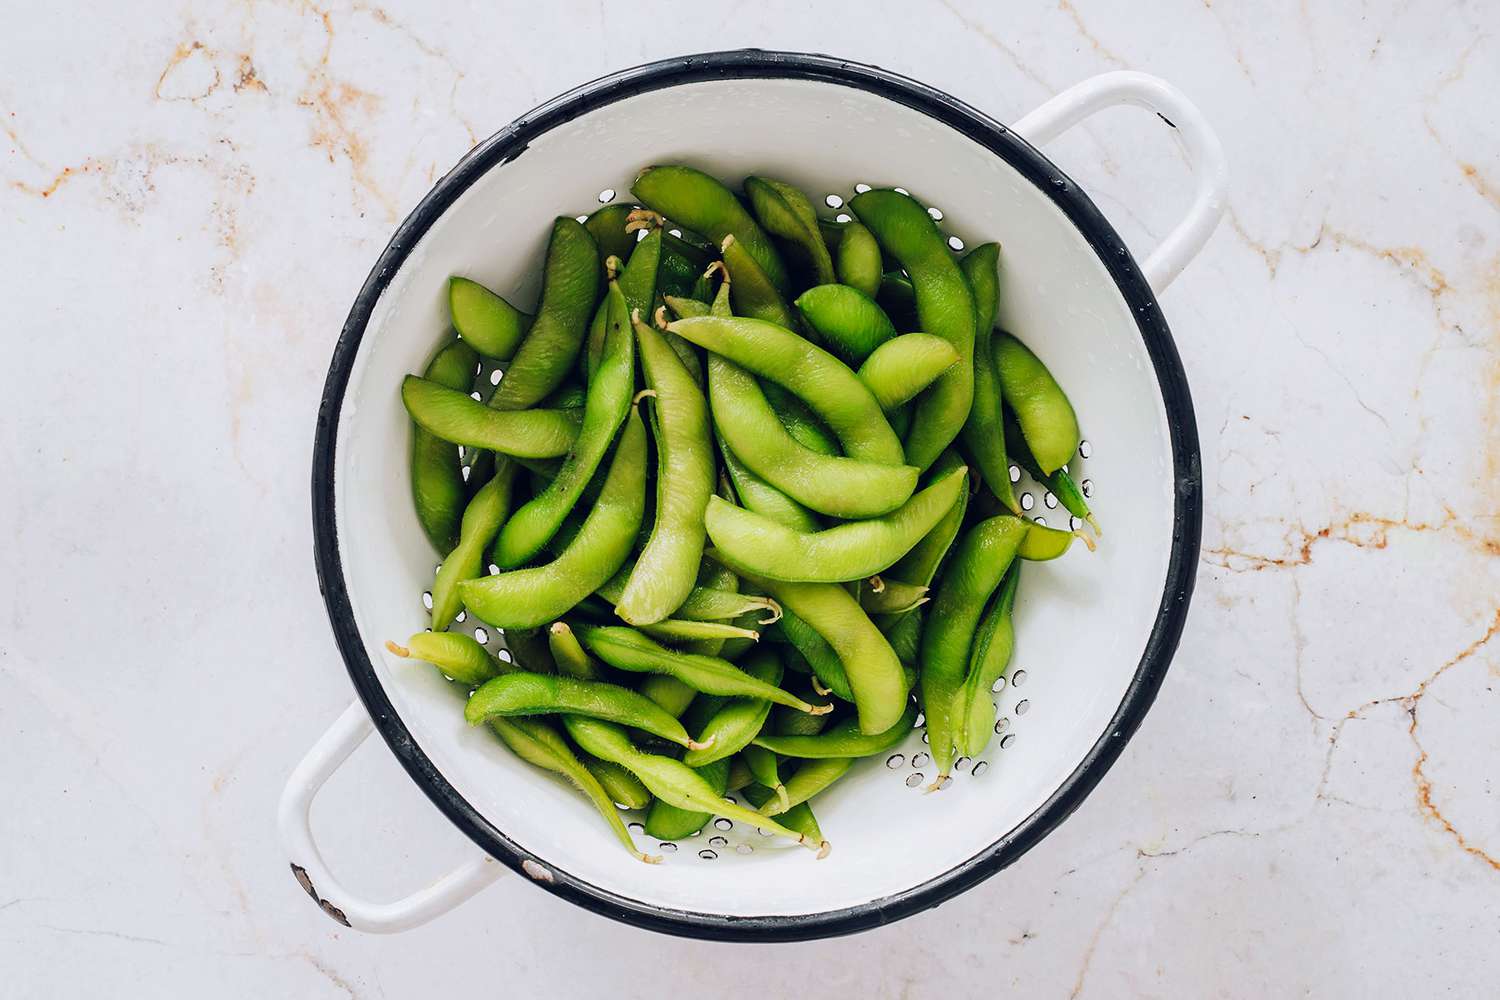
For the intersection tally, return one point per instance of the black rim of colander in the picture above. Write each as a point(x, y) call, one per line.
point(511, 142)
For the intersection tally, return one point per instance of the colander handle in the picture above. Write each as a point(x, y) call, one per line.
point(1205, 154)
point(292, 820)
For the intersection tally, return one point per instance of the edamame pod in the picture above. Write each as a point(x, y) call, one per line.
point(482, 518)
point(683, 630)
point(699, 202)
point(703, 604)
point(846, 319)
point(570, 657)
point(488, 323)
point(903, 367)
point(668, 822)
point(820, 656)
point(894, 597)
point(1041, 407)
point(898, 298)
point(570, 287)
point(437, 481)
point(454, 416)
point(825, 383)
point(858, 262)
point(638, 280)
point(799, 817)
point(622, 787)
point(627, 649)
point(979, 562)
point(1060, 482)
point(670, 780)
point(526, 693)
point(784, 211)
point(538, 743)
point(752, 291)
point(766, 771)
point(848, 551)
point(993, 645)
point(760, 496)
point(528, 598)
point(740, 720)
point(945, 308)
point(668, 565)
point(842, 740)
point(607, 226)
point(457, 655)
point(811, 778)
point(875, 675)
point(608, 401)
point(982, 434)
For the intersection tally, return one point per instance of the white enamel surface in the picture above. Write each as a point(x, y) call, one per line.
point(1083, 621)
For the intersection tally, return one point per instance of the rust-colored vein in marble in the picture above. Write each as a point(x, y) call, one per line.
point(1099, 47)
point(1360, 529)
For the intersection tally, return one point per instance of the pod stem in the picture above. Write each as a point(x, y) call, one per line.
point(653, 859)
point(400, 651)
point(612, 267)
point(636, 399)
point(817, 709)
point(693, 744)
point(718, 265)
point(660, 317)
point(817, 686)
point(877, 585)
point(774, 609)
point(781, 795)
point(644, 218)
point(823, 848)
point(1094, 523)
point(937, 784)
point(1084, 537)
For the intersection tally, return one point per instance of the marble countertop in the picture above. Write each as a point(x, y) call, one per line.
point(191, 193)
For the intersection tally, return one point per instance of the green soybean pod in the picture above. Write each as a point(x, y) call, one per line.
point(530, 598)
point(766, 770)
point(858, 263)
point(685, 630)
point(900, 368)
point(538, 743)
point(760, 496)
point(752, 291)
point(622, 787)
point(437, 481)
point(527, 693)
point(1060, 482)
point(784, 211)
point(488, 323)
point(904, 633)
point(897, 297)
point(699, 202)
point(739, 775)
point(979, 562)
point(740, 720)
point(454, 416)
point(668, 565)
point(457, 655)
point(570, 657)
point(626, 649)
point(607, 226)
point(826, 384)
point(668, 692)
point(892, 597)
point(570, 287)
point(638, 280)
point(820, 656)
point(670, 780)
point(983, 435)
point(846, 319)
point(799, 817)
point(921, 563)
point(1043, 543)
point(852, 550)
point(798, 419)
point(811, 778)
point(845, 739)
point(945, 308)
point(718, 579)
point(993, 645)
point(482, 519)
point(1041, 407)
point(665, 821)
point(875, 675)
point(608, 401)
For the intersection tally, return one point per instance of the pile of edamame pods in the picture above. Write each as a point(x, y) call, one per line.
point(738, 530)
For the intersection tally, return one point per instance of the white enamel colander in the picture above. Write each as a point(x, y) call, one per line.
point(1095, 632)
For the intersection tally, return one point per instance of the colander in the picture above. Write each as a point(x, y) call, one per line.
point(1095, 632)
